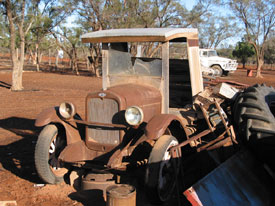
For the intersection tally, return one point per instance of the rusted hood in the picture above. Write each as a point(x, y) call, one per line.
point(146, 97)
point(138, 95)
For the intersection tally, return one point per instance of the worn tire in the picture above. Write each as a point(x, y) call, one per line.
point(46, 155)
point(218, 69)
point(156, 168)
point(252, 115)
point(226, 73)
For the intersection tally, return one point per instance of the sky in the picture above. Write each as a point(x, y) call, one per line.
point(188, 3)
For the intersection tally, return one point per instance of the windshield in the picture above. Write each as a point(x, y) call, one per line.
point(212, 53)
point(122, 64)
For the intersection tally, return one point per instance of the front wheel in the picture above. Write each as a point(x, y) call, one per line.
point(48, 148)
point(161, 171)
point(218, 70)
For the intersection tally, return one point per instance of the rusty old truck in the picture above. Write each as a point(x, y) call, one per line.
point(151, 110)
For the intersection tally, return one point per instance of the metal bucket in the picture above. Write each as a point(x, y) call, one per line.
point(121, 195)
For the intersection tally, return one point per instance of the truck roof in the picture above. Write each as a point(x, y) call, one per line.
point(207, 49)
point(140, 35)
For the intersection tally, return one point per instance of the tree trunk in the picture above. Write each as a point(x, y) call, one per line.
point(259, 58)
point(50, 60)
point(74, 58)
point(40, 57)
point(94, 56)
point(37, 57)
point(32, 57)
point(260, 63)
point(56, 60)
point(155, 50)
point(17, 53)
point(16, 70)
point(87, 62)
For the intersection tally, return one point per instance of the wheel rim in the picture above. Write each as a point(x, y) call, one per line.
point(56, 146)
point(166, 172)
point(218, 70)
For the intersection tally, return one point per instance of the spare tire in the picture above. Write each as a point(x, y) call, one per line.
point(253, 115)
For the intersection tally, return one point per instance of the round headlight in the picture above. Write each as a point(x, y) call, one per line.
point(67, 110)
point(134, 115)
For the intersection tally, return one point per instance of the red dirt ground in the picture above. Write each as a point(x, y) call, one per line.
point(18, 111)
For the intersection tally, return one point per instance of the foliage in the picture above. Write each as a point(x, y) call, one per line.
point(215, 30)
point(69, 40)
point(225, 52)
point(48, 29)
point(258, 20)
point(4, 39)
point(243, 50)
point(269, 54)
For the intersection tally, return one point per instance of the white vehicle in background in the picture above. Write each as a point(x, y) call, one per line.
point(218, 65)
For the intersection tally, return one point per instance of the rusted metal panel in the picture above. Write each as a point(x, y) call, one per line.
point(46, 116)
point(138, 80)
point(146, 97)
point(102, 110)
point(232, 83)
point(138, 95)
point(158, 124)
point(76, 152)
point(100, 124)
point(193, 42)
point(50, 115)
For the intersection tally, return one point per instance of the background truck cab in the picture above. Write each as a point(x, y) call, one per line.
point(222, 66)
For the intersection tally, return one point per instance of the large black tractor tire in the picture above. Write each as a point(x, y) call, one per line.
point(254, 118)
point(253, 114)
point(161, 171)
point(48, 147)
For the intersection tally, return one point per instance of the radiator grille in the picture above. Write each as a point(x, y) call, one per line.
point(103, 111)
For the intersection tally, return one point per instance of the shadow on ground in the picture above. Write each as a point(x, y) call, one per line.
point(5, 85)
point(17, 152)
point(89, 197)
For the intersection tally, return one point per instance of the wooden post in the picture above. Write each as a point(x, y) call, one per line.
point(121, 195)
point(105, 66)
point(165, 77)
point(194, 66)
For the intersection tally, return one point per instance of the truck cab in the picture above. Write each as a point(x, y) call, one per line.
point(142, 114)
point(222, 66)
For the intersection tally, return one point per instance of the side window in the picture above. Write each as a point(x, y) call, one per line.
point(204, 53)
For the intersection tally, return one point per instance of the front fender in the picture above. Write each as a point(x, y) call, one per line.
point(157, 126)
point(47, 116)
point(51, 115)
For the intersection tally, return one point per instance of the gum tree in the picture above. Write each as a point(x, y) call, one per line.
point(15, 11)
point(258, 20)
